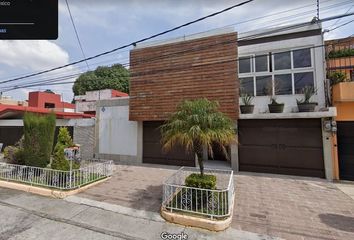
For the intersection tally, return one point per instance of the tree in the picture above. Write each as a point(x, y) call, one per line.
point(114, 77)
point(39, 137)
point(64, 140)
point(196, 124)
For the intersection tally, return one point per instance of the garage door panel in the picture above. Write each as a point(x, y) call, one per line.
point(305, 158)
point(288, 146)
point(264, 135)
point(154, 153)
point(345, 138)
point(262, 156)
point(291, 136)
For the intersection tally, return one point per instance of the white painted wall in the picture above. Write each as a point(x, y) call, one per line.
point(117, 135)
point(261, 102)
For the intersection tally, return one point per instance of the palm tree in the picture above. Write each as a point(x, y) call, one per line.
point(195, 124)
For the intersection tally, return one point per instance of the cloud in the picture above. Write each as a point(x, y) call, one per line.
point(32, 55)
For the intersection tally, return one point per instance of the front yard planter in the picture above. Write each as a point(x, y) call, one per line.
point(89, 172)
point(276, 108)
point(247, 109)
point(199, 207)
point(306, 107)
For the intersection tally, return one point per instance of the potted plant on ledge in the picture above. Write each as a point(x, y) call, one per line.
point(305, 105)
point(247, 106)
point(274, 106)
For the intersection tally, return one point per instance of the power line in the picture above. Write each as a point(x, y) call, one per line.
point(341, 4)
point(76, 33)
point(132, 43)
point(342, 25)
point(248, 37)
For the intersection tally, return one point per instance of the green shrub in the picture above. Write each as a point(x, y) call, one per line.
point(336, 77)
point(14, 154)
point(198, 181)
point(39, 138)
point(348, 52)
point(59, 161)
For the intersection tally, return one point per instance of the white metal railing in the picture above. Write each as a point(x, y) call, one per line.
point(88, 172)
point(211, 203)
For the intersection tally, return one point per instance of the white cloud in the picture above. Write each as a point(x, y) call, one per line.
point(32, 55)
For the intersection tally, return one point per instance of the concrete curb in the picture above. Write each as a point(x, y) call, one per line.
point(216, 225)
point(46, 191)
point(116, 208)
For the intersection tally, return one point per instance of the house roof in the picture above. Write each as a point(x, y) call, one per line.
point(12, 111)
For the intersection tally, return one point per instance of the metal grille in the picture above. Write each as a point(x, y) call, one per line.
point(211, 203)
point(90, 171)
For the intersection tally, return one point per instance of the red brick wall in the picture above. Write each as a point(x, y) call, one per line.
point(206, 68)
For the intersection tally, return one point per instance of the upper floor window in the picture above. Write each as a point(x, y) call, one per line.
point(279, 73)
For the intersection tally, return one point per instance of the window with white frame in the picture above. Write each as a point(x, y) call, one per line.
point(280, 73)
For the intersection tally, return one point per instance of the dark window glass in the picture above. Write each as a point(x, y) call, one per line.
point(282, 61)
point(244, 65)
point(264, 85)
point(282, 84)
point(303, 79)
point(261, 63)
point(247, 86)
point(302, 58)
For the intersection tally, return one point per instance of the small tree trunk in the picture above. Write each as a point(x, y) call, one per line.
point(198, 149)
point(201, 164)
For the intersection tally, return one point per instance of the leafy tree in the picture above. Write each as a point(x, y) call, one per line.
point(196, 124)
point(38, 139)
point(114, 77)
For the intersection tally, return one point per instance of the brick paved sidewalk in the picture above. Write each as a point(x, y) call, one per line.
point(275, 205)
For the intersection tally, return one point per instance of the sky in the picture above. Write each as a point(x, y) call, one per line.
point(106, 24)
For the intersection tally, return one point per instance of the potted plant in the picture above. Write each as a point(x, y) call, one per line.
point(247, 106)
point(305, 105)
point(274, 106)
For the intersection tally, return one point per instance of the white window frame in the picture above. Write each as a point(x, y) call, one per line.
point(291, 71)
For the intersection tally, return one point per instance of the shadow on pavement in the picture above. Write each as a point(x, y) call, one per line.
point(341, 222)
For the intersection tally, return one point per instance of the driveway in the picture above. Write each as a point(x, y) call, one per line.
point(274, 205)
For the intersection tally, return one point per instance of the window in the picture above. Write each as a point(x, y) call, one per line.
point(49, 105)
point(282, 73)
point(261, 63)
point(245, 65)
point(282, 61)
point(283, 84)
point(302, 58)
point(264, 85)
point(303, 79)
point(247, 86)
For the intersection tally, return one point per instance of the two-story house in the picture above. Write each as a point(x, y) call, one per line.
point(219, 66)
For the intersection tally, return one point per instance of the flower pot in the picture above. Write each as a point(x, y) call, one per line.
point(276, 108)
point(246, 109)
point(306, 107)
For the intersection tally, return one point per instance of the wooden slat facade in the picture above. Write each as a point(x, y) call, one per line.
point(164, 75)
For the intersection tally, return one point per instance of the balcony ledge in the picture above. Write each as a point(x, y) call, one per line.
point(329, 112)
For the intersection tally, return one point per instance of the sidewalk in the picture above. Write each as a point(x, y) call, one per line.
point(32, 217)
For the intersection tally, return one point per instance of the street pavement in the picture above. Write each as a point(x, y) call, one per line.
point(28, 216)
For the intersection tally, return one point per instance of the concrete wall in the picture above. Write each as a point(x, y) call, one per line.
point(85, 136)
point(117, 138)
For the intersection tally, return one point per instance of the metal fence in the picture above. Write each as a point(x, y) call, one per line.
point(210, 203)
point(89, 171)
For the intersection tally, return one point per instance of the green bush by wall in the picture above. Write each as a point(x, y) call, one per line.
point(39, 137)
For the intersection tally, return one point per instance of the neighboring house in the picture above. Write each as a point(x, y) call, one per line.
point(340, 56)
point(81, 126)
point(216, 65)
point(49, 100)
point(87, 103)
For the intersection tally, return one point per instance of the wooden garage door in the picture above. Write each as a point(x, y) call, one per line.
point(291, 147)
point(152, 148)
point(345, 136)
